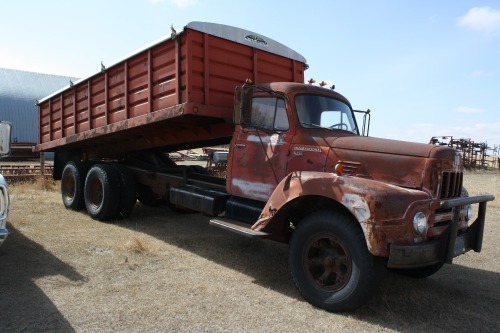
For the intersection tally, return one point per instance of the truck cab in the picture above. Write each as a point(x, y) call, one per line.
point(341, 200)
point(289, 127)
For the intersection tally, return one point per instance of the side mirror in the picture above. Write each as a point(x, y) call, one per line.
point(237, 106)
point(366, 121)
point(242, 105)
point(5, 138)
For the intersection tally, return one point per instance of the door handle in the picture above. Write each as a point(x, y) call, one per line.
point(240, 145)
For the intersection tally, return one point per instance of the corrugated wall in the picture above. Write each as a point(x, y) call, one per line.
point(19, 91)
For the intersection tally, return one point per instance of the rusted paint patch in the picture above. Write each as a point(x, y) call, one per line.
point(259, 191)
point(269, 139)
point(358, 206)
point(384, 211)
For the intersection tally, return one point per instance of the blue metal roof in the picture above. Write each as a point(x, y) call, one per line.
point(19, 91)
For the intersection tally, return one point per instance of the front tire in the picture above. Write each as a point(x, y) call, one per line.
point(330, 263)
point(102, 192)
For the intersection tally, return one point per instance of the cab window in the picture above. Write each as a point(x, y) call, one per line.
point(316, 111)
point(269, 113)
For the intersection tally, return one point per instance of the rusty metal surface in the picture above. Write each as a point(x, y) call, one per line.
point(22, 173)
point(259, 159)
point(451, 244)
point(22, 150)
point(383, 182)
point(384, 211)
point(276, 154)
point(384, 160)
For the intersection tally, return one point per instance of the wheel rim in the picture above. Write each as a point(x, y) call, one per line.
point(95, 192)
point(69, 186)
point(327, 262)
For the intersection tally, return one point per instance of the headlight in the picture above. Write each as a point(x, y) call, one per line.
point(420, 223)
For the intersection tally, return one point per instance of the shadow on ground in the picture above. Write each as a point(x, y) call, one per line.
point(23, 306)
point(457, 298)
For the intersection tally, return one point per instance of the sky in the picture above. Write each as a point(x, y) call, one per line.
point(424, 68)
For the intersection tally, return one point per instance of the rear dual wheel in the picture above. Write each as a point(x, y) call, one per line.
point(110, 192)
point(72, 185)
point(102, 192)
point(107, 191)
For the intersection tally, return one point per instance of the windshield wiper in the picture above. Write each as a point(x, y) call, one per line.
point(329, 128)
point(310, 124)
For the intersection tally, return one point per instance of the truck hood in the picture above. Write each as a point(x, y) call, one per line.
point(400, 163)
point(385, 146)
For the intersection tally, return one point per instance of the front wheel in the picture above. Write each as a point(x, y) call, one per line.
point(330, 263)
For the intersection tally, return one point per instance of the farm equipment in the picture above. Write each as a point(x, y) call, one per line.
point(474, 154)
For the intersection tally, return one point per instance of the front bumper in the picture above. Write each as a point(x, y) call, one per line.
point(450, 244)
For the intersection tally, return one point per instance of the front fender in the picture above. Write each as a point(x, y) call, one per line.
point(384, 211)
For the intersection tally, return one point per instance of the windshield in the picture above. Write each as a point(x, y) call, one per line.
point(325, 112)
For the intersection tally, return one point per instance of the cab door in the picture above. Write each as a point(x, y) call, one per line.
point(260, 150)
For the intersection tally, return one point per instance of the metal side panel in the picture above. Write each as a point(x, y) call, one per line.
point(205, 201)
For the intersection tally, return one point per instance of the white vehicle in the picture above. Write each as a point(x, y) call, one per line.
point(5, 140)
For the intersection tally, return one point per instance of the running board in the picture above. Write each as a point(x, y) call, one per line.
point(238, 227)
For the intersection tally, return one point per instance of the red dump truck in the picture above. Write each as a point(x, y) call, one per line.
point(298, 170)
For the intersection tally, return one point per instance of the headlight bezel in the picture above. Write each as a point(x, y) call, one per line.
point(420, 223)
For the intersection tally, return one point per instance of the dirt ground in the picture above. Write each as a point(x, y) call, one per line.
point(161, 271)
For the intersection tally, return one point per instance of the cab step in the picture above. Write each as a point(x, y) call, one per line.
point(238, 227)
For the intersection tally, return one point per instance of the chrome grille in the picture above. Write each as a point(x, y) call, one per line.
point(451, 184)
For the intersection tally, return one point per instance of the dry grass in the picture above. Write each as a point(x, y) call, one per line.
point(40, 183)
point(139, 246)
point(162, 271)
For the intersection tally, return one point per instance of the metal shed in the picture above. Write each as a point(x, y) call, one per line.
point(19, 91)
